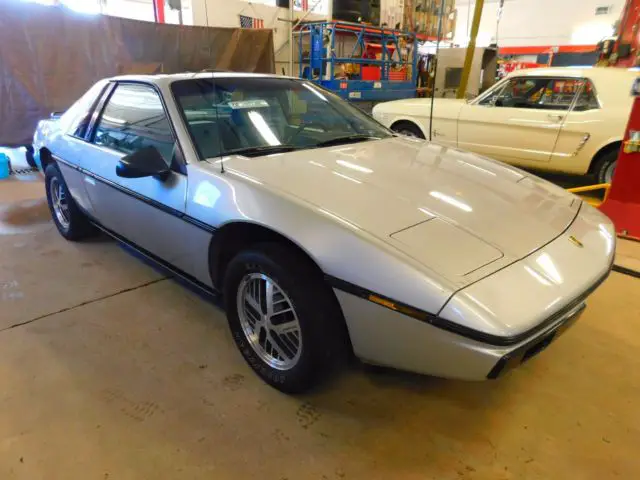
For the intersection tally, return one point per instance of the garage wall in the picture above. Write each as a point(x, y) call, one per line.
point(539, 22)
point(225, 13)
point(133, 9)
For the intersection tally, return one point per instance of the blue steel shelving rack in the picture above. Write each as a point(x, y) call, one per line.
point(320, 65)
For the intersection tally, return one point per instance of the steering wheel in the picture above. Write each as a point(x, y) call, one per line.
point(301, 128)
point(295, 134)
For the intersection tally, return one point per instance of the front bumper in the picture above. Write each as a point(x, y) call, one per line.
point(523, 311)
point(536, 345)
point(385, 337)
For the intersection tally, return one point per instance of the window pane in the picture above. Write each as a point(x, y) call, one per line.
point(236, 113)
point(76, 119)
point(133, 119)
point(522, 92)
point(560, 93)
point(494, 93)
point(587, 99)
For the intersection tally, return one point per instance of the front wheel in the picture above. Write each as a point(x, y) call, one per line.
point(283, 317)
point(408, 129)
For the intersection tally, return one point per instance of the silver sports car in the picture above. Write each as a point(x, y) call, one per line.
point(324, 232)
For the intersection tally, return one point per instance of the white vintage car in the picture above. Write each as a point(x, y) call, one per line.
point(568, 120)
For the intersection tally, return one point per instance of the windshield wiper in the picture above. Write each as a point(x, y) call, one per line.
point(346, 139)
point(261, 150)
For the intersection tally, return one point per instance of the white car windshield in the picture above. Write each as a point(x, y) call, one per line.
point(256, 116)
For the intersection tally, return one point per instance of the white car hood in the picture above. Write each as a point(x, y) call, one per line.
point(418, 107)
point(476, 210)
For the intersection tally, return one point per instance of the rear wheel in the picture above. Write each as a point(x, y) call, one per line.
point(606, 166)
point(70, 221)
point(408, 129)
point(283, 317)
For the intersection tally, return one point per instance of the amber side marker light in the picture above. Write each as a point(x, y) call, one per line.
point(391, 305)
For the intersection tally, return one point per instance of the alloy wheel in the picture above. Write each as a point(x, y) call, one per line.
point(609, 171)
point(269, 321)
point(59, 202)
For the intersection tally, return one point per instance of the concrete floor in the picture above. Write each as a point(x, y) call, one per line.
point(110, 371)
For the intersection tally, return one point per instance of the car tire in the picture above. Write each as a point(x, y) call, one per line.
point(70, 221)
point(408, 129)
point(605, 166)
point(312, 342)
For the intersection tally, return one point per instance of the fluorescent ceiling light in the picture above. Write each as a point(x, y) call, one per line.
point(263, 129)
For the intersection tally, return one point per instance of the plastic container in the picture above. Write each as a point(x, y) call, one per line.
point(4, 166)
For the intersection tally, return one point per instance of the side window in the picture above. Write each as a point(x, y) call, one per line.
point(134, 118)
point(542, 93)
point(492, 95)
point(522, 92)
point(560, 93)
point(587, 99)
point(76, 119)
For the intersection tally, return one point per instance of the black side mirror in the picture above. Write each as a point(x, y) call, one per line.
point(146, 162)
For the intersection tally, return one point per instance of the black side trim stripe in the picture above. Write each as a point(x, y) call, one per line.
point(158, 261)
point(142, 198)
point(198, 223)
point(166, 266)
point(461, 330)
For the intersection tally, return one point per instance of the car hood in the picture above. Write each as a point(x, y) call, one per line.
point(442, 206)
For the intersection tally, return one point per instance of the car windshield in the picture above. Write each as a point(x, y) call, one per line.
point(256, 116)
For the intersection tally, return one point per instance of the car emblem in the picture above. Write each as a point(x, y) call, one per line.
point(575, 241)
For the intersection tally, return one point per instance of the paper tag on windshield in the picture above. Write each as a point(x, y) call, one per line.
point(242, 104)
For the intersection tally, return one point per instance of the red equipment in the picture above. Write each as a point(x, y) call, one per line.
point(622, 204)
point(623, 50)
point(158, 10)
point(505, 68)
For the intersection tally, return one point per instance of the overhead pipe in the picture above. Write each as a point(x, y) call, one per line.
point(468, 58)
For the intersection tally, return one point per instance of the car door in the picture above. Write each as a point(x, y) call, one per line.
point(69, 147)
point(583, 132)
point(146, 211)
point(519, 124)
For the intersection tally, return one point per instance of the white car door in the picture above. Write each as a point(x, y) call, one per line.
point(519, 124)
point(585, 130)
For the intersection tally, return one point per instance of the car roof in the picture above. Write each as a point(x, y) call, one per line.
point(162, 79)
point(596, 73)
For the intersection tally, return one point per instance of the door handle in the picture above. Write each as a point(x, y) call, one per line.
point(555, 116)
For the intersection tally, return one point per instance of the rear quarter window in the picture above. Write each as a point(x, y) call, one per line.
point(76, 119)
